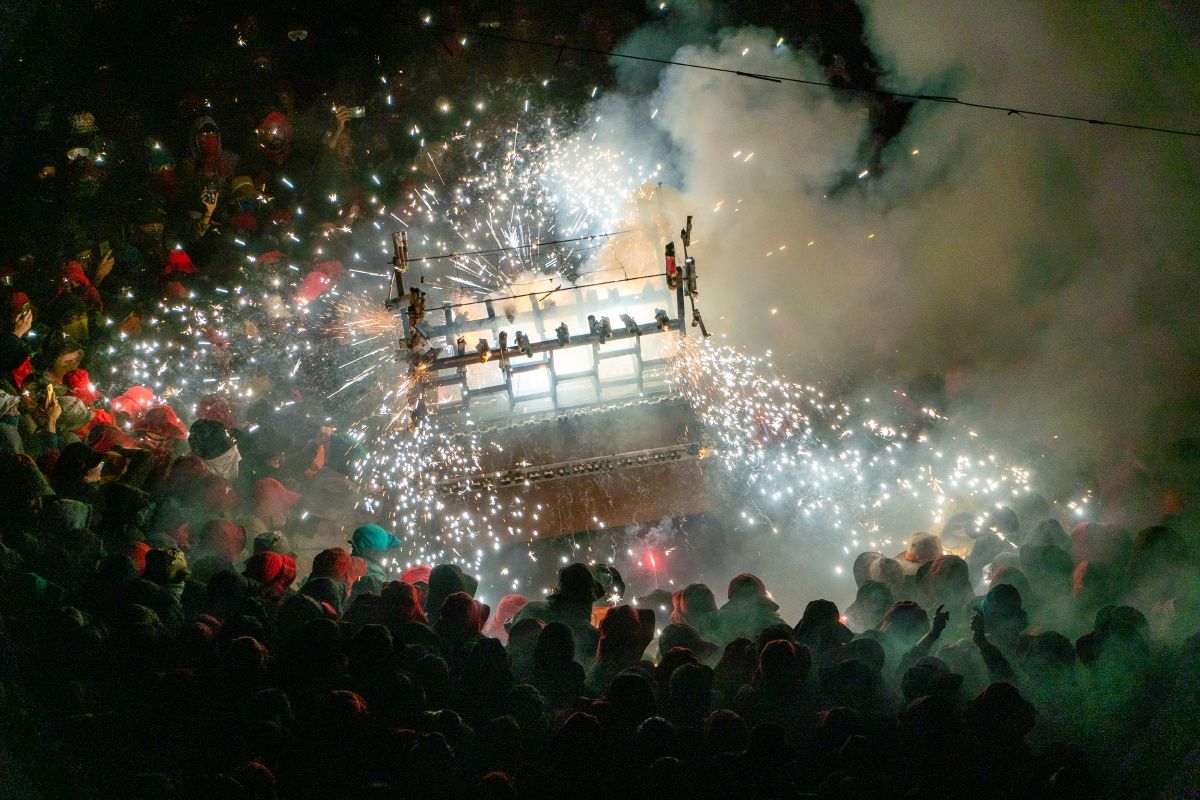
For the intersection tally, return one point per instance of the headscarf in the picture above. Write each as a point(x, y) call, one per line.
point(461, 616)
point(222, 538)
point(75, 415)
point(137, 552)
point(417, 575)
point(226, 464)
point(506, 609)
point(209, 439)
point(219, 408)
point(370, 541)
point(272, 542)
point(402, 604)
point(104, 437)
point(335, 563)
point(445, 580)
point(80, 384)
point(275, 571)
point(133, 401)
point(272, 499)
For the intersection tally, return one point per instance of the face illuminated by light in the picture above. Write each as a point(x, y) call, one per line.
point(67, 362)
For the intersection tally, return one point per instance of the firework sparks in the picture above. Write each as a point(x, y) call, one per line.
point(807, 460)
point(528, 182)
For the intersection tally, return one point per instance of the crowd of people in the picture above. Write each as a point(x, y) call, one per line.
point(161, 636)
point(157, 643)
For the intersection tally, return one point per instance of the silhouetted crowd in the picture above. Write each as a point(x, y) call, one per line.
point(161, 637)
point(157, 644)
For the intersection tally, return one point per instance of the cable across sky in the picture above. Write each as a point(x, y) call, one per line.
point(781, 79)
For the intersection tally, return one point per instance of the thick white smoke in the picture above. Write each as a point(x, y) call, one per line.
point(1048, 268)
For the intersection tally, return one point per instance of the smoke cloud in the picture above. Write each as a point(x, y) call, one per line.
point(1046, 268)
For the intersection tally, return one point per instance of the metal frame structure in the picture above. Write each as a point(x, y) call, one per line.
point(528, 333)
point(443, 354)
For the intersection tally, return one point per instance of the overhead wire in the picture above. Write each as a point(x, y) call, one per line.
point(562, 47)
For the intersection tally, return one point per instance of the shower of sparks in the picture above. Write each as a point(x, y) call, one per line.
point(224, 345)
point(809, 461)
point(804, 461)
point(533, 179)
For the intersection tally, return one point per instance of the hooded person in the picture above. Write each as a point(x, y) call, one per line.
point(377, 547)
point(133, 402)
point(338, 565)
point(931, 677)
point(505, 611)
point(273, 542)
point(1049, 532)
point(418, 575)
point(272, 502)
point(870, 604)
point(312, 286)
point(60, 355)
point(922, 547)
point(821, 630)
point(459, 623)
point(695, 605)
point(209, 157)
point(401, 605)
point(75, 418)
point(15, 363)
point(185, 480)
point(948, 582)
point(275, 137)
point(79, 383)
point(330, 496)
point(17, 314)
point(42, 436)
point(779, 692)
point(680, 634)
point(124, 513)
point(218, 497)
point(160, 431)
point(218, 407)
point(625, 633)
point(104, 437)
point(748, 610)
point(10, 424)
point(571, 604)
point(220, 538)
point(273, 571)
point(167, 568)
point(72, 280)
point(445, 580)
point(264, 453)
point(902, 627)
point(210, 441)
point(76, 474)
point(555, 673)
point(1004, 616)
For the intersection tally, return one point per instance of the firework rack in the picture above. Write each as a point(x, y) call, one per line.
point(504, 356)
